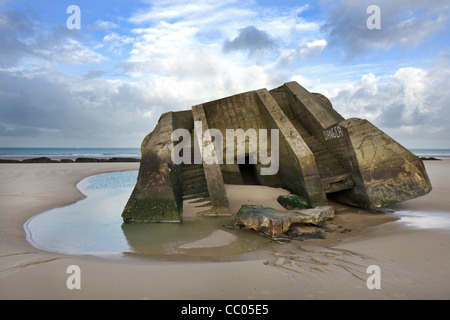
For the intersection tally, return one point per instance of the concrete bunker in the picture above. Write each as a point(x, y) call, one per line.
point(319, 153)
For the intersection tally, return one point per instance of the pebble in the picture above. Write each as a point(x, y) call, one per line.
point(279, 262)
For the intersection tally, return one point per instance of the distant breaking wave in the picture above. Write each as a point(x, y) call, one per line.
point(70, 152)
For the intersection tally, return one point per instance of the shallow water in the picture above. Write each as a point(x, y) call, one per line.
point(421, 220)
point(94, 226)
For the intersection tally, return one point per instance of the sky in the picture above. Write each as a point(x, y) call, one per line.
point(106, 83)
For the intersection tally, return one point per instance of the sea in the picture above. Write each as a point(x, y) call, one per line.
point(70, 152)
point(436, 153)
point(136, 153)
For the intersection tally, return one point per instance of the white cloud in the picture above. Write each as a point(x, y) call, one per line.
point(25, 42)
point(160, 11)
point(115, 38)
point(403, 23)
point(306, 50)
point(105, 25)
point(414, 83)
point(181, 45)
point(289, 58)
point(69, 52)
point(414, 30)
point(182, 60)
point(115, 42)
point(411, 104)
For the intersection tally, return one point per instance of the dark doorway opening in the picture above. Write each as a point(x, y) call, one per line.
point(248, 173)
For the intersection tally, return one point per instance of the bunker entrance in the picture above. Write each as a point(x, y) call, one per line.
point(248, 173)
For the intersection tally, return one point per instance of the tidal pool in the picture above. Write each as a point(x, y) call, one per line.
point(94, 226)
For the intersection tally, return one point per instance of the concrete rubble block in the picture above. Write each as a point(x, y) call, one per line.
point(276, 223)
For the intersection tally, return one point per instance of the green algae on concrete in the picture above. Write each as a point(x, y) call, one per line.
point(293, 201)
point(161, 209)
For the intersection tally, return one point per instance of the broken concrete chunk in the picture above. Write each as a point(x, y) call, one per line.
point(275, 223)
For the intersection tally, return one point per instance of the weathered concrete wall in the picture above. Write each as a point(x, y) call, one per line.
point(156, 196)
point(213, 175)
point(298, 170)
point(231, 174)
point(314, 113)
point(239, 112)
point(183, 119)
point(235, 112)
point(384, 171)
point(281, 97)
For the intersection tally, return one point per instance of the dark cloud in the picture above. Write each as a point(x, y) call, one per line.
point(13, 27)
point(95, 74)
point(31, 102)
point(249, 39)
point(72, 108)
point(22, 37)
point(392, 115)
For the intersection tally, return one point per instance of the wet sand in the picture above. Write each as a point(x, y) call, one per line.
point(414, 262)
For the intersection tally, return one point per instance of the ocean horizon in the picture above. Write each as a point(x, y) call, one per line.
point(70, 152)
point(136, 152)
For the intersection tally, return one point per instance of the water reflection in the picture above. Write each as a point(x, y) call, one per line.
point(173, 238)
point(89, 226)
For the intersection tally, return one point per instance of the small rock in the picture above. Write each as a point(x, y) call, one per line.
point(86, 160)
point(39, 160)
point(123, 160)
point(318, 261)
point(279, 262)
point(231, 226)
point(265, 262)
point(299, 230)
point(293, 201)
point(9, 161)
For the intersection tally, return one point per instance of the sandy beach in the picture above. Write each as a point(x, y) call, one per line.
point(414, 259)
